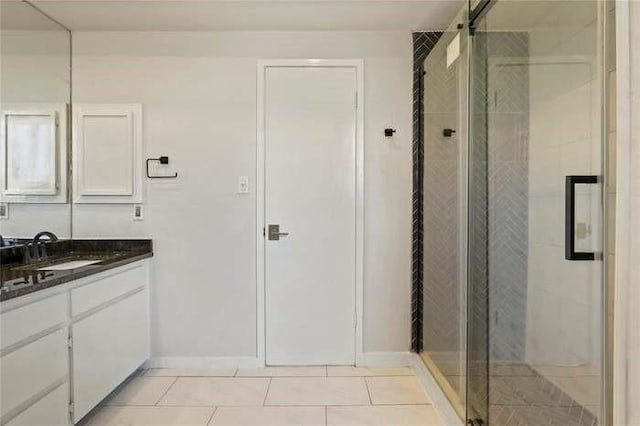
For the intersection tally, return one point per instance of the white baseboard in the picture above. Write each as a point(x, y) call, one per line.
point(384, 359)
point(367, 359)
point(204, 362)
point(440, 402)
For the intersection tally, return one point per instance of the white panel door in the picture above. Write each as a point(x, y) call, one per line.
point(310, 192)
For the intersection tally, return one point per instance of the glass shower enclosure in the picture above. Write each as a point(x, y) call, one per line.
point(512, 285)
point(445, 90)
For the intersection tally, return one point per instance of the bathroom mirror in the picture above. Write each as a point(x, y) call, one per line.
point(35, 92)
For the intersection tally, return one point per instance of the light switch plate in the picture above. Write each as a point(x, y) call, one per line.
point(243, 184)
point(4, 210)
point(138, 212)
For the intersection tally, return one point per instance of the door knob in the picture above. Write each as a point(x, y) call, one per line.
point(274, 233)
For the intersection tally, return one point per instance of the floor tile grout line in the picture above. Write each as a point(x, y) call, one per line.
point(318, 405)
point(301, 377)
point(410, 404)
point(326, 419)
point(215, 409)
point(197, 377)
point(266, 395)
point(183, 406)
point(372, 375)
point(366, 384)
point(403, 404)
point(166, 391)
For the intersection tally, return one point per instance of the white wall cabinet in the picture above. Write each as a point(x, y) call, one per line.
point(95, 327)
point(107, 153)
point(33, 153)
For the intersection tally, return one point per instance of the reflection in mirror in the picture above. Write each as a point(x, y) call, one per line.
point(35, 92)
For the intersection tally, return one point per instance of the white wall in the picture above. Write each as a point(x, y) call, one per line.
point(198, 92)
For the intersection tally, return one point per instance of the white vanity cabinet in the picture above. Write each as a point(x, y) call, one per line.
point(110, 336)
point(65, 348)
point(35, 360)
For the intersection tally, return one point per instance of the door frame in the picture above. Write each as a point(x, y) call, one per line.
point(624, 188)
point(358, 66)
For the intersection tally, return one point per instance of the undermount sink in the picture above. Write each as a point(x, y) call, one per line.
point(69, 265)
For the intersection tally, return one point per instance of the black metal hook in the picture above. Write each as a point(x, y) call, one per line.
point(161, 160)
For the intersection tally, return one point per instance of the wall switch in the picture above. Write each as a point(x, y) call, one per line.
point(4, 211)
point(243, 184)
point(138, 212)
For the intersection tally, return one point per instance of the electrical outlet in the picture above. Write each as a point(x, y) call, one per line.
point(138, 212)
point(243, 184)
point(4, 211)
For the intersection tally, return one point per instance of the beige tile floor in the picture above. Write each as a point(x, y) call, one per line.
point(269, 396)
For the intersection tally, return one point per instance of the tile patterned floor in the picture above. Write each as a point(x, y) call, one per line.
point(269, 396)
point(519, 395)
point(544, 395)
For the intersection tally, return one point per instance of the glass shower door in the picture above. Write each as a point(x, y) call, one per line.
point(444, 212)
point(535, 281)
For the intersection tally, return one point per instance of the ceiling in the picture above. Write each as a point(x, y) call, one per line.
point(211, 15)
point(17, 15)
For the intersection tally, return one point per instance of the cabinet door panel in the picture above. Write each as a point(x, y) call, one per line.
point(107, 153)
point(33, 152)
point(101, 291)
point(33, 368)
point(107, 347)
point(26, 321)
point(108, 159)
point(52, 410)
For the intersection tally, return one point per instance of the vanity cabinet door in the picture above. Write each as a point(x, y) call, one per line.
point(23, 323)
point(108, 346)
point(32, 371)
point(52, 410)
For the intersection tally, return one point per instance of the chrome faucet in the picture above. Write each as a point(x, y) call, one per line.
point(35, 244)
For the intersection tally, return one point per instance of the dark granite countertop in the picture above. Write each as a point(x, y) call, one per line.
point(18, 278)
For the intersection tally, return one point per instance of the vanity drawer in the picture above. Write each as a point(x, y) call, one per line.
point(51, 410)
point(108, 288)
point(32, 369)
point(23, 322)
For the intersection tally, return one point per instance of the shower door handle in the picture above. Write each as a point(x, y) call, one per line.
point(570, 252)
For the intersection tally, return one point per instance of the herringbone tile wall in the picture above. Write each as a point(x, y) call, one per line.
point(498, 211)
point(423, 42)
point(442, 314)
point(508, 180)
point(498, 215)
